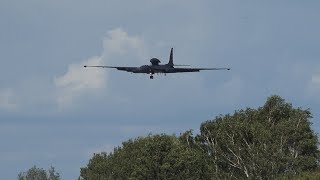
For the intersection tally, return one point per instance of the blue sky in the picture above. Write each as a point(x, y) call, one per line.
point(54, 112)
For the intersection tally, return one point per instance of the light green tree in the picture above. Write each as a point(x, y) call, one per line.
point(152, 157)
point(274, 141)
point(35, 173)
point(261, 143)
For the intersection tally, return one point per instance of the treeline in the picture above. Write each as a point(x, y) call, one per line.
point(271, 142)
point(35, 173)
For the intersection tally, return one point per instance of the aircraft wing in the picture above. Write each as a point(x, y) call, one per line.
point(128, 69)
point(178, 70)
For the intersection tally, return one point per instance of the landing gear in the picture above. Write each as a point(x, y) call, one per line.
point(151, 77)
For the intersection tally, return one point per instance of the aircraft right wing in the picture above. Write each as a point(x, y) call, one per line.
point(128, 69)
point(177, 70)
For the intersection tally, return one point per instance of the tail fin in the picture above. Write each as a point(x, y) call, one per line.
point(171, 58)
point(170, 63)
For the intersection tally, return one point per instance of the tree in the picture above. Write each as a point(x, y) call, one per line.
point(35, 173)
point(274, 141)
point(310, 175)
point(261, 143)
point(151, 157)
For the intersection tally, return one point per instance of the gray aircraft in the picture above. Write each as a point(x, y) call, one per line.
point(157, 68)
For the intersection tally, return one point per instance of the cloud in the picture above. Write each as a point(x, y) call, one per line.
point(314, 86)
point(119, 42)
point(315, 80)
point(7, 100)
point(78, 80)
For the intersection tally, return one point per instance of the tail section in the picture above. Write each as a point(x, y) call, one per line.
point(170, 63)
point(171, 58)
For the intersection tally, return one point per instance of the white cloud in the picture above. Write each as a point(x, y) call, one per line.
point(314, 85)
point(315, 80)
point(119, 42)
point(79, 80)
point(7, 100)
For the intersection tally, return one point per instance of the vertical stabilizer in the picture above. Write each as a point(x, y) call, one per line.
point(171, 58)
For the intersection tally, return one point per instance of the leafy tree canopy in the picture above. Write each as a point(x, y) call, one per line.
point(152, 157)
point(35, 173)
point(269, 142)
point(265, 142)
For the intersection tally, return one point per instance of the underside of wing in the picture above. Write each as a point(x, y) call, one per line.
point(177, 70)
point(128, 69)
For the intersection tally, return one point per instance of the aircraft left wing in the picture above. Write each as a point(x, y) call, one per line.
point(177, 70)
point(128, 69)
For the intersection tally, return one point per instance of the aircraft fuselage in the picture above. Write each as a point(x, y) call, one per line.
point(155, 69)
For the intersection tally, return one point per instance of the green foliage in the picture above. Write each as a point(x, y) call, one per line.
point(151, 157)
point(274, 141)
point(35, 173)
point(261, 143)
point(306, 175)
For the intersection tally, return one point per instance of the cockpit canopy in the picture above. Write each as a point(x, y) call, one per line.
point(155, 61)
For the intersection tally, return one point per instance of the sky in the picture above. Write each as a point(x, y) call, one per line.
point(55, 112)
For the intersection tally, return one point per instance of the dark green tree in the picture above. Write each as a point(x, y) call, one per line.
point(151, 157)
point(35, 173)
point(261, 143)
point(306, 175)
